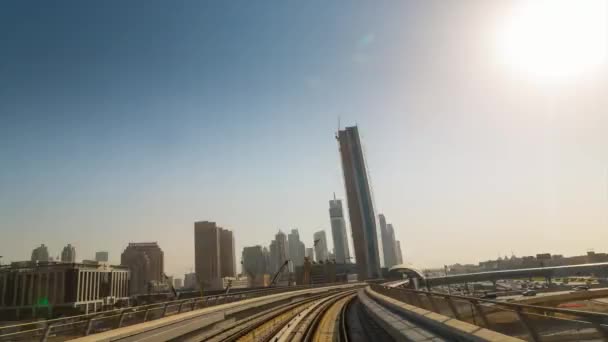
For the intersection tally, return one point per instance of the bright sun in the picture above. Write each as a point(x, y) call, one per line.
point(555, 38)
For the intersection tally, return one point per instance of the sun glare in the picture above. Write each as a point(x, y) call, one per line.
point(555, 38)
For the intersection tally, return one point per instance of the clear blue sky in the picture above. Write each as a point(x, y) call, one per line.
point(128, 121)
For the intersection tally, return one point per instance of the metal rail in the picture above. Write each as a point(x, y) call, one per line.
point(532, 322)
point(83, 325)
point(247, 325)
point(322, 311)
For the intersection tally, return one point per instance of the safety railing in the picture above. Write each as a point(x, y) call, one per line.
point(528, 322)
point(65, 328)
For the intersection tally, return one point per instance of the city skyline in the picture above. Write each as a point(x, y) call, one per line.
point(120, 130)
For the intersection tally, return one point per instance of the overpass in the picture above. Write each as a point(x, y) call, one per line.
point(546, 272)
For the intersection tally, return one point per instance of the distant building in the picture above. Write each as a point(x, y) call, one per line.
point(190, 281)
point(227, 256)
point(338, 231)
point(389, 245)
point(296, 248)
point(399, 253)
point(310, 254)
point(282, 249)
point(145, 260)
point(254, 263)
point(177, 283)
point(40, 254)
point(101, 256)
point(360, 205)
point(320, 246)
point(207, 255)
point(68, 254)
point(65, 287)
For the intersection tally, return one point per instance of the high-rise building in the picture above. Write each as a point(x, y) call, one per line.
point(68, 254)
point(399, 254)
point(296, 248)
point(360, 206)
point(320, 241)
point(101, 256)
point(213, 254)
point(310, 254)
point(227, 256)
point(207, 255)
point(388, 242)
point(267, 262)
point(282, 248)
point(273, 257)
point(177, 283)
point(146, 262)
point(391, 237)
point(254, 261)
point(40, 253)
point(338, 231)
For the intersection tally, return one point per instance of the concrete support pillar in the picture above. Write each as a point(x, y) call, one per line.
point(78, 277)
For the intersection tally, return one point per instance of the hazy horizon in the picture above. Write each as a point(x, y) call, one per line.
point(128, 122)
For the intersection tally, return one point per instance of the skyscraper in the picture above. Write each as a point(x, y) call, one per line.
point(388, 242)
point(207, 264)
point(320, 246)
point(68, 254)
point(254, 264)
point(360, 206)
point(391, 236)
point(282, 248)
point(227, 257)
point(399, 254)
point(40, 253)
point(101, 256)
point(296, 248)
point(338, 231)
point(146, 262)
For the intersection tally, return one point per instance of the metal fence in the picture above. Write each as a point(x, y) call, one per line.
point(528, 322)
point(61, 329)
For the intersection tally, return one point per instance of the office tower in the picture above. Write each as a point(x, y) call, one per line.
point(207, 262)
point(310, 254)
point(320, 241)
point(101, 256)
point(360, 206)
point(282, 248)
point(254, 262)
point(177, 283)
point(296, 248)
point(399, 255)
point(338, 231)
point(266, 254)
point(388, 242)
point(40, 253)
point(393, 244)
point(146, 262)
point(273, 257)
point(68, 254)
point(227, 256)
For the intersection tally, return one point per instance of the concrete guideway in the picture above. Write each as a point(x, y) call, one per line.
point(177, 325)
point(440, 325)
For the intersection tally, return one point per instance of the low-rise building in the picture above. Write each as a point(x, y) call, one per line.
point(37, 289)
